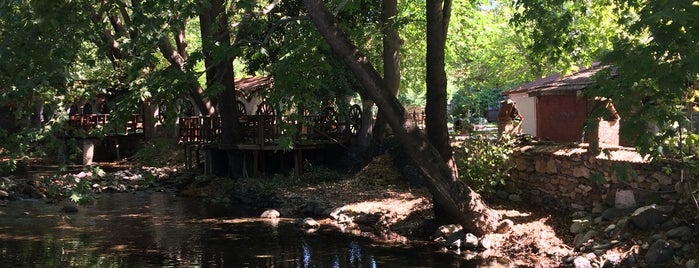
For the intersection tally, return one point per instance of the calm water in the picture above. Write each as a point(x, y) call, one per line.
point(162, 230)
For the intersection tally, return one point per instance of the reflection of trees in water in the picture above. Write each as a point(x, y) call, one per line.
point(131, 230)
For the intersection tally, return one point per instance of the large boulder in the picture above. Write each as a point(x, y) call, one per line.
point(659, 254)
point(649, 217)
point(270, 214)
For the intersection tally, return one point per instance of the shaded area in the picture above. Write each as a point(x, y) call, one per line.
point(160, 229)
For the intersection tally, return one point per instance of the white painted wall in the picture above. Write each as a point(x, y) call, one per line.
point(527, 108)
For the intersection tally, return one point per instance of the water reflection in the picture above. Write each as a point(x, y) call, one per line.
point(162, 230)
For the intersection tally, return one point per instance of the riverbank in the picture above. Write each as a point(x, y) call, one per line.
point(378, 204)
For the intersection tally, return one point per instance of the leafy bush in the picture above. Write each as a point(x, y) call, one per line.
point(484, 162)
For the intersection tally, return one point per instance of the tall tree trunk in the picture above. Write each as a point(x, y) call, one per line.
point(436, 96)
point(391, 59)
point(219, 73)
point(463, 204)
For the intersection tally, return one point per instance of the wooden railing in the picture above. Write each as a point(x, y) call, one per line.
point(91, 122)
point(261, 129)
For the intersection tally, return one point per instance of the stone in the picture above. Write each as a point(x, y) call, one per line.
point(648, 217)
point(580, 239)
point(515, 198)
point(501, 194)
point(579, 214)
point(597, 209)
point(504, 226)
point(470, 241)
point(344, 219)
point(270, 214)
point(485, 243)
point(309, 223)
point(682, 232)
point(581, 172)
point(455, 239)
point(578, 226)
point(368, 219)
point(551, 167)
point(659, 254)
point(613, 213)
point(540, 166)
point(624, 199)
point(4, 194)
point(582, 262)
point(445, 231)
point(661, 178)
point(610, 228)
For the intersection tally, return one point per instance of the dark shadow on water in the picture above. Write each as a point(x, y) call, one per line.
point(162, 230)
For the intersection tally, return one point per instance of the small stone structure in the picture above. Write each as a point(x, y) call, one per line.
point(568, 177)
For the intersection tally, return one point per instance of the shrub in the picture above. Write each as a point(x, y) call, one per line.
point(484, 162)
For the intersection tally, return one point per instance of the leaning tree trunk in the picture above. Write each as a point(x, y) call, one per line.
point(219, 72)
point(463, 204)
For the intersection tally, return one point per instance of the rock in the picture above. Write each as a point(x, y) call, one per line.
point(582, 262)
point(4, 194)
point(580, 239)
point(485, 243)
point(659, 254)
point(501, 194)
point(578, 226)
point(309, 223)
point(344, 219)
point(270, 214)
point(368, 219)
point(515, 198)
point(648, 217)
point(505, 226)
point(597, 209)
point(454, 240)
point(624, 199)
point(610, 228)
point(691, 263)
point(470, 241)
point(447, 230)
point(69, 209)
point(579, 214)
point(613, 213)
point(682, 232)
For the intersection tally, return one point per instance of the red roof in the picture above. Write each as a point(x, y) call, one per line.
point(556, 85)
point(247, 87)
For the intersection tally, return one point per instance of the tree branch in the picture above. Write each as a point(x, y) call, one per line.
point(269, 32)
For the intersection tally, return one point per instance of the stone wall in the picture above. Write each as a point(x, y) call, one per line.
point(568, 177)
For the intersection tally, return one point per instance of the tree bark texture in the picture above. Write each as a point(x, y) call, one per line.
point(436, 97)
point(464, 205)
point(219, 73)
point(391, 59)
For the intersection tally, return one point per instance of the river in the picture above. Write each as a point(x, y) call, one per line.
point(157, 229)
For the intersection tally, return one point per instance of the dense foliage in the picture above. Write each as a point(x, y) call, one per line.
point(484, 162)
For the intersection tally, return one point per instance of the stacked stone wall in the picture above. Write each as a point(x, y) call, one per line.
point(570, 178)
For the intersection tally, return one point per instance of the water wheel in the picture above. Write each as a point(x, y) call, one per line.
point(355, 120)
point(242, 112)
point(327, 121)
point(267, 119)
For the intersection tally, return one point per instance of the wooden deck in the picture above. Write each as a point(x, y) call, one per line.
point(265, 132)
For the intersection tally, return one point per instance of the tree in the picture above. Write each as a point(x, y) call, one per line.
point(464, 205)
